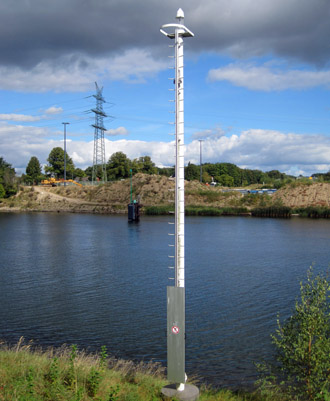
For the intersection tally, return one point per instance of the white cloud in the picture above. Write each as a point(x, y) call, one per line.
point(208, 134)
point(266, 150)
point(24, 118)
point(120, 131)
point(19, 117)
point(54, 110)
point(266, 79)
point(76, 73)
point(161, 153)
point(134, 66)
point(254, 149)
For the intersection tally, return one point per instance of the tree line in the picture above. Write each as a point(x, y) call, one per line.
point(8, 185)
point(119, 166)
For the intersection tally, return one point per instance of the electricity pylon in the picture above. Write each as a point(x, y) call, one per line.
point(99, 162)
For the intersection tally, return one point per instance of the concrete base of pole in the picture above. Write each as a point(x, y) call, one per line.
point(190, 392)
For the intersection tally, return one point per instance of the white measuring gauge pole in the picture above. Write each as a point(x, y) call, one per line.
point(179, 165)
point(180, 31)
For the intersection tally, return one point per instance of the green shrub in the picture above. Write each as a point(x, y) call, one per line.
point(302, 343)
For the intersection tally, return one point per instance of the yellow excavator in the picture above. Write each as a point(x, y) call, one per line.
point(53, 182)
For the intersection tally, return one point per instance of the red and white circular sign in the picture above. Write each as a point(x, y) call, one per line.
point(175, 330)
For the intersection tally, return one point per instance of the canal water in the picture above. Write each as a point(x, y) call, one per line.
point(96, 280)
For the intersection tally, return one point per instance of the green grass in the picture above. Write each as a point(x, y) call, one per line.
point(272, 211)
point(67, 374)
point(158, 210)
point(214, 211)
point(197, 210)
point(315, 212)
point(211, 196)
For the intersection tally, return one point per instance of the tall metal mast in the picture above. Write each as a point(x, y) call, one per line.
point(176, 294)
point(65, 124)
point(200, 160)
point(99, 161)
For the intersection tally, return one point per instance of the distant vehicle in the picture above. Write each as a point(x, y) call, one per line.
point(53, 182)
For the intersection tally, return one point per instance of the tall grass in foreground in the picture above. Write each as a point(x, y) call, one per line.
point(68, 374)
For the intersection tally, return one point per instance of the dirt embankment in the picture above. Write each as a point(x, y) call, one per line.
point(295, 195)
point(154, 190)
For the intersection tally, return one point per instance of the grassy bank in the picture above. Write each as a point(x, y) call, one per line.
point(272, 211)
point(71, 375)
point(197, 210)
point(268, 211)
point(313, 212)
point(66, 374)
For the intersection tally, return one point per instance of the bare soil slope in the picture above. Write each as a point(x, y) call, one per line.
point(154, 190)
point(303, 195)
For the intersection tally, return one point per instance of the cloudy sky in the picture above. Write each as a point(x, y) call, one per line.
point(257, 80)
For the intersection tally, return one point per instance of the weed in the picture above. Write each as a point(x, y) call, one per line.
point(52, 375)
point(30, 381)
point(103, 357)
point(93, 382)
point(70, 378)
point(79, 394)
point(113, 394)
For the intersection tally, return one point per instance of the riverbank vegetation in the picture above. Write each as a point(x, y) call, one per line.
point(68, 374)
point(271, 211)
point(197, 211)
point(313, 212)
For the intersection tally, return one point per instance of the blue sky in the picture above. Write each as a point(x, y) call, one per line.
point(257, 80)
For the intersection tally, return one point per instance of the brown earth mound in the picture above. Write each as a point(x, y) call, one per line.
point(155, 190)
point(303, 195)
